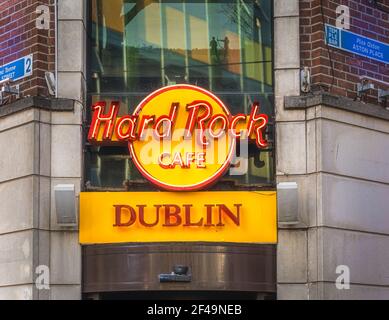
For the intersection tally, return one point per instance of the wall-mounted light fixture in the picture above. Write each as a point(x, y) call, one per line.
point(363, 87)
point(51, 83)
point(383, 96)
point(287, 202)
point(65, 205)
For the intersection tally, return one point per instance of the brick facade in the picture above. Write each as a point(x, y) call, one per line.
point(20, 37)
point(332, 70)
point(341, 78)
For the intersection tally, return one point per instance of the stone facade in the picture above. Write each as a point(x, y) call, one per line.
point(34, 132)
point(45, 150)
point(335, 149)
point(343, 210)
point(337, 71)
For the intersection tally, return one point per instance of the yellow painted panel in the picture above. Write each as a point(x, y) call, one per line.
point(252, 217)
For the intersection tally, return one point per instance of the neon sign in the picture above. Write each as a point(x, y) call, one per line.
point(180, 137)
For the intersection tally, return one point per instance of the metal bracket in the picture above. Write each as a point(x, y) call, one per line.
point(180, 274)
point(383, 95)
point(6, 88)
point(363, 87)
point(171, 277)
point(305, 80)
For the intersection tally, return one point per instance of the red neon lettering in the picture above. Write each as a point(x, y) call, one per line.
point(177, 160)
point(167, 122)
point(99, 117)
point(213, 121)
point(130, 132)
point(234, 123)
point(190, 157)
point(143, 125)
point(200, 160)
point(254, 118)
point(161, 163)
point(194, 117)
point(200, 117)
point(166, 161)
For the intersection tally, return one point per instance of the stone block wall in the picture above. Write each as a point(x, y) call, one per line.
point(33, 147)
point(335, 148)
point(333, 70)
point(41, 147)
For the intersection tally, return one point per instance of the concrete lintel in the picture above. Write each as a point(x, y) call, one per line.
point(50, 104)
point(329, 100)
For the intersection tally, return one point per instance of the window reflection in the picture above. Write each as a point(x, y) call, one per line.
point(222, 46)
point(140, 46)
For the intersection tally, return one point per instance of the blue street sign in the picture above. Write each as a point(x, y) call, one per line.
point(355, 43)
point(17, 69)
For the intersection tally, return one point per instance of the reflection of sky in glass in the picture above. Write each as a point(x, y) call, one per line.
point(126, 7)
point(221, 46)
point(144, 29)
point(139, 48)
point(221, 25)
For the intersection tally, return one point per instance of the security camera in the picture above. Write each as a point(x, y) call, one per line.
point(50, 82)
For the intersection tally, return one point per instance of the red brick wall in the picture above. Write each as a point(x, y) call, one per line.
point(366, 20)
point(20, 37)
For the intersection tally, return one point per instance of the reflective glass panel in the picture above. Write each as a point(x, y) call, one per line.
point(137, 47)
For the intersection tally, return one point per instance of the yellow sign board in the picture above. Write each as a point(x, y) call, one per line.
point(237, 217)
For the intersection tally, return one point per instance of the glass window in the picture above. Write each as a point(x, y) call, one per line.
point(139, 46)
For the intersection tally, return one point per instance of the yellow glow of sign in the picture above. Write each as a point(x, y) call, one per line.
point(236, 217)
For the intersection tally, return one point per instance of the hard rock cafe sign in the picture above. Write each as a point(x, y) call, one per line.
point(180, 137)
